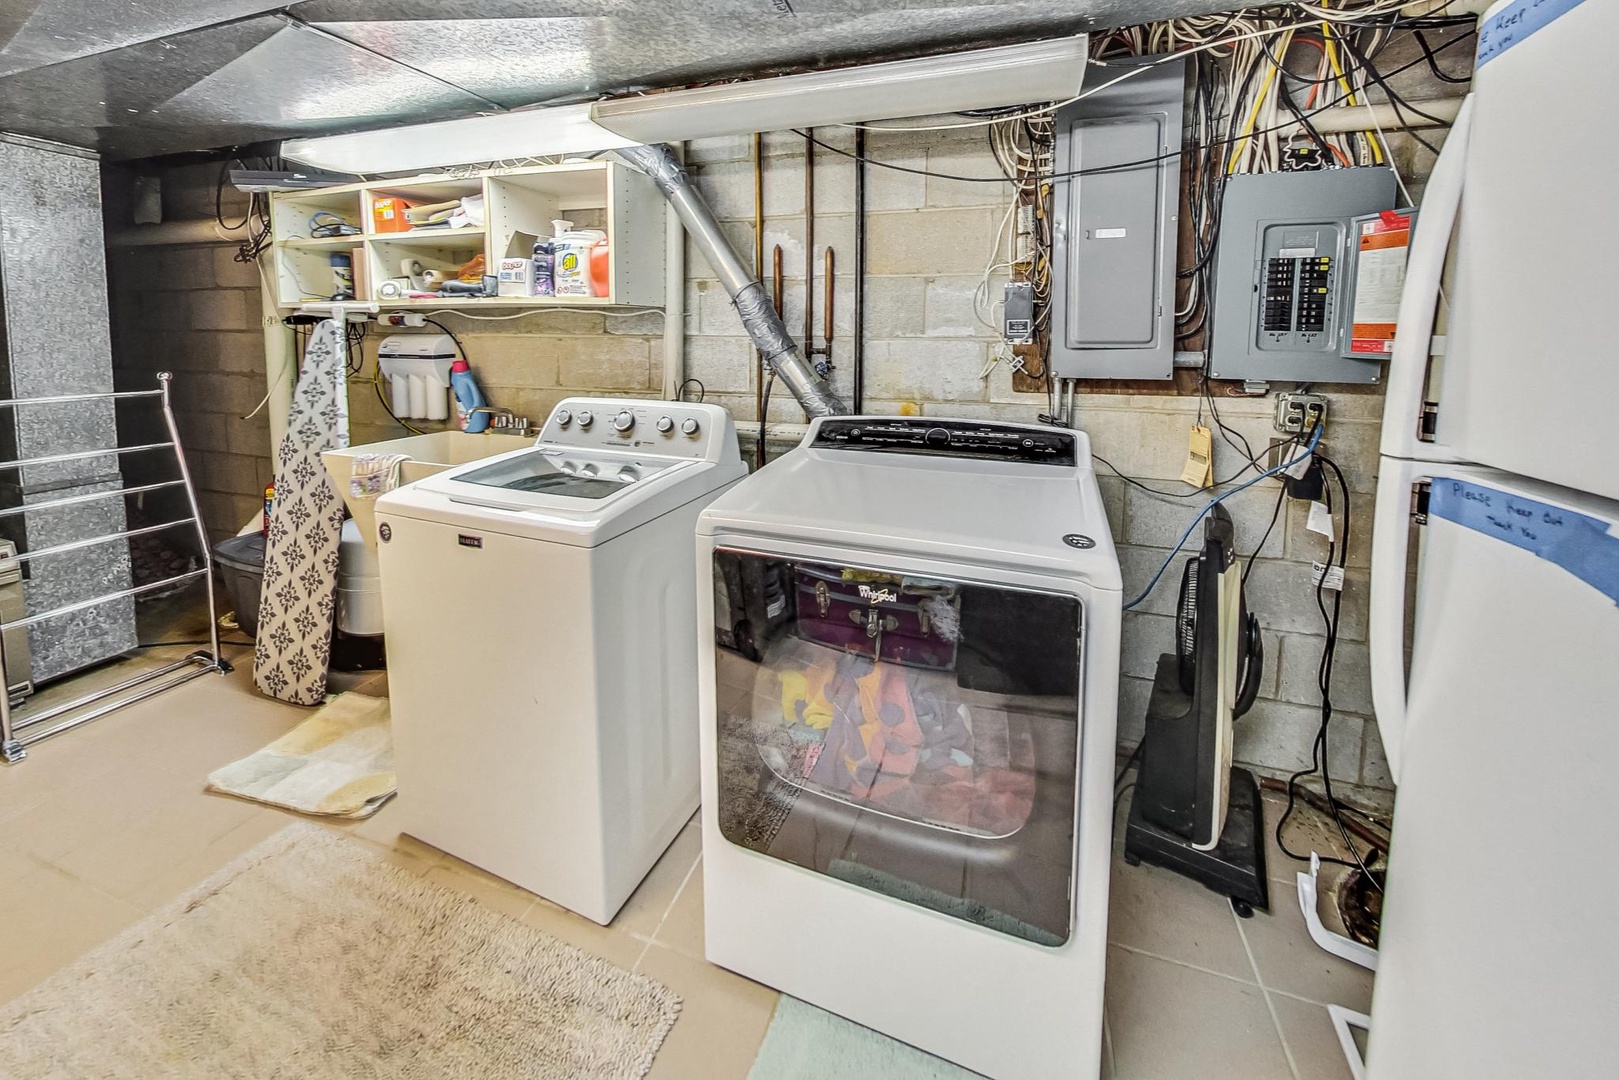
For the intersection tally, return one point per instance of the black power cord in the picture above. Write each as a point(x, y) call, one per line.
point(1337, 555)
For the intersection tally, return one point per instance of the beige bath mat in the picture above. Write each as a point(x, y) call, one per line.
point(312, 958)
point(339, 762)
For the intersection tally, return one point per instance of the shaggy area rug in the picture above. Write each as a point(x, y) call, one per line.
point(311, 957)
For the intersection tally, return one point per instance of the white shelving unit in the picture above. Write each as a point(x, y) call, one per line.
point(519, 205)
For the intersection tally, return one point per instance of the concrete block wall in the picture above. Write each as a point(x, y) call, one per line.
point(930, 241)
point(196, 311)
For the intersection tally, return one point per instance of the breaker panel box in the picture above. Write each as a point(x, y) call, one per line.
point(1115, 229)
point(1283, 275)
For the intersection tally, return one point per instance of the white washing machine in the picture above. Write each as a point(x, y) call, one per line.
point(539, 610)
point(909, 687)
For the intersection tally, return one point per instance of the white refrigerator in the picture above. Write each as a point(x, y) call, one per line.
point(1499, 955)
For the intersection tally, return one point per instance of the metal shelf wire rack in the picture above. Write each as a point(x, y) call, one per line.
point(16, 735)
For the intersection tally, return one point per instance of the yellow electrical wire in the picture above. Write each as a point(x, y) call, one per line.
point(1337, 70)
point(1248, 125)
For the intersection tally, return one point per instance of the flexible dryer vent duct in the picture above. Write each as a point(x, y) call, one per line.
point(747, 292)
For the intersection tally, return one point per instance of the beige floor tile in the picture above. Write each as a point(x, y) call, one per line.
point(647, 906)
point(202, 864)
point(1309, 1035)
point(1170, 1022)
point(130, 854)
point(14, 865)
point(82, 810)
point(609, 943)
point(722, 1021)
point(1290, 962)
point(1160, 912)
point(488, 890)
point(51, 919)
point(1307, 830)
point(682, 928)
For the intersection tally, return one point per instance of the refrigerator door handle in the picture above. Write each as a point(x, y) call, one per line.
point(1419, 299)
point(1385, 634)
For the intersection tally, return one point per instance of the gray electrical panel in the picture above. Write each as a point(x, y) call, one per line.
point(1281, 277)
point(1115, 229)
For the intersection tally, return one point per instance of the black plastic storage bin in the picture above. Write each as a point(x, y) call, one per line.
point(241, 563)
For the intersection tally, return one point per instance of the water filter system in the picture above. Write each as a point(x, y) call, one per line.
point(417, 369)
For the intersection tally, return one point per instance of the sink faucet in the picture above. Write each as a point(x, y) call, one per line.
point(503, 420)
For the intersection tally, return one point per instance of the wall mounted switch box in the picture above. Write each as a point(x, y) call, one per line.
point(1282, 309)
point(1115, 230)
point(1017, 313)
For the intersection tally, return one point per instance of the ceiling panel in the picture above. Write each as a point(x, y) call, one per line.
point(40, 32)
point(143, 77)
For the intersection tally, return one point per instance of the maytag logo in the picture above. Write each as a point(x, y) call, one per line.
point(878, 596)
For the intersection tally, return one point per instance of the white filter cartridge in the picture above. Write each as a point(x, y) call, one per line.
point(419, 385)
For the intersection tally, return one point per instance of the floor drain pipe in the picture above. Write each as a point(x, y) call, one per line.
point(747, 292)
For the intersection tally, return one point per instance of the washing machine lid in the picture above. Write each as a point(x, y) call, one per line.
point(966, 491)
point(532, 478)
point(558, 495)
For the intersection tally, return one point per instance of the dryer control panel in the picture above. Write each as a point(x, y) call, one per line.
point(947, 438)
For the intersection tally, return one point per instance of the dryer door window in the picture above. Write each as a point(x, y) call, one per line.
point(916, 737)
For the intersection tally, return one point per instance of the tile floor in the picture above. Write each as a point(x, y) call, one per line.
point(103, 824)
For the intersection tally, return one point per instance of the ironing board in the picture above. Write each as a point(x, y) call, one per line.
point(299, 593)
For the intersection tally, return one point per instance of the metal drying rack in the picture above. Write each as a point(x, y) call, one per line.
point(13, 742)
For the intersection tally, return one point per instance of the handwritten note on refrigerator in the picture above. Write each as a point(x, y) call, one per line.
point(1584, 546)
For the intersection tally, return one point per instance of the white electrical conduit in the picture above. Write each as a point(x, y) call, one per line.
point(1346, 118)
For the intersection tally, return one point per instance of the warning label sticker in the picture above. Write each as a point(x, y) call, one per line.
point(1379, 280)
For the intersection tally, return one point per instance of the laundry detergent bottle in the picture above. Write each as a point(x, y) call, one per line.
point(467, 398)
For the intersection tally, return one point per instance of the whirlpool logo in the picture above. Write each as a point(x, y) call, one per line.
point(878, 596)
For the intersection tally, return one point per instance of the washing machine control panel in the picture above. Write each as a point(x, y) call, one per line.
point(948, 438)
point(667, 428)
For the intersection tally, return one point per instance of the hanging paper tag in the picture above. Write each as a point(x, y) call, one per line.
point(1299, 467)
point(1199, 470)
point(1320, 521)
point(1328, 577)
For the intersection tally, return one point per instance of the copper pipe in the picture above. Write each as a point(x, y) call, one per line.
point(759, 265)
point(826, 321)
point(775, 281)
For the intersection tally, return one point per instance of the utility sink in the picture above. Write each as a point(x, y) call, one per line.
point(425, 455)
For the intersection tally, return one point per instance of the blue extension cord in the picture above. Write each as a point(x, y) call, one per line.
point(1153, 584)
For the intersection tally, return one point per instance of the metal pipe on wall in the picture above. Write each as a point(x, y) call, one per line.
point(857, 363)
point(674, 302)
point(1363, 117)
point(759, 270)
point(747, 292)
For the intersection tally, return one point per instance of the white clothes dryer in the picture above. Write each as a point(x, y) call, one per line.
point(909, 688)
point(539, 613)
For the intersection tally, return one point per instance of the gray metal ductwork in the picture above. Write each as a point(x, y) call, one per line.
point(747, 292)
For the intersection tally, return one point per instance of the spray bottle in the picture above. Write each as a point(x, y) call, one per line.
point(467, 397)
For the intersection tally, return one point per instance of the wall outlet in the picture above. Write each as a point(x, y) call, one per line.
point(1297, 414)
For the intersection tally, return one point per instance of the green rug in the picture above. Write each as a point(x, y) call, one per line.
point(806, 1043)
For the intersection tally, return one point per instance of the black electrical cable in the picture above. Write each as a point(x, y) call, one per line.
point(1129, 762)
point(702, 391)
point(1433, 62)
point(1337, 552)
point(1122, 165)
point(449, 334)
point(764, 413)
point(1194, 493)
point(1275, 514)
